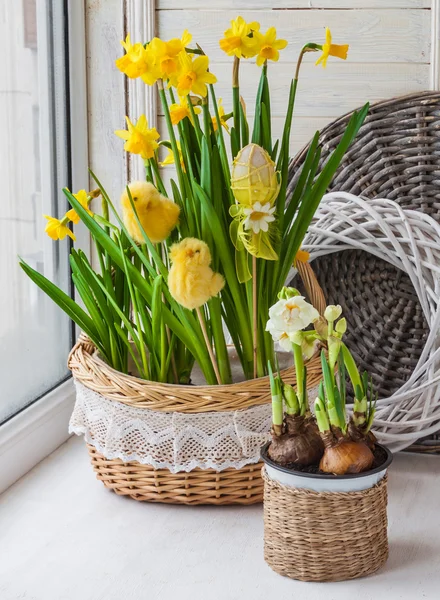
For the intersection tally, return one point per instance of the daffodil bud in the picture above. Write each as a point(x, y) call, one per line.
point(341, 326)
point(333, 312)
point(287, 292)
point(254, 177)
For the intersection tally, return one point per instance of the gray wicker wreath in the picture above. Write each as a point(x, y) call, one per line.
point(410, 241)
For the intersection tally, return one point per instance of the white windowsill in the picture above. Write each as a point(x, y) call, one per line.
point(64, 536)
point(34, 433)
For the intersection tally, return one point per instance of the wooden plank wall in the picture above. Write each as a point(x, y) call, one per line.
point(106, 93)
point(390, 52)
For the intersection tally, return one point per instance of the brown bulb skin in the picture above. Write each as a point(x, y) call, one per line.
point(299, 445)
point(346, 457)
point(357, 434)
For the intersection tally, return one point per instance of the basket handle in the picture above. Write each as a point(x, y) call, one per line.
point(313, 289)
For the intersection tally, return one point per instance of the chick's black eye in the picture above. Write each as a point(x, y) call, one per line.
point(135, 198)
point(197, 251)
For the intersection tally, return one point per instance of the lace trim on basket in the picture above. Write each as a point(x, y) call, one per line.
point(171, 440)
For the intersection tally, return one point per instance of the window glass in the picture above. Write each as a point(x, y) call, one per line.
point(34, 334)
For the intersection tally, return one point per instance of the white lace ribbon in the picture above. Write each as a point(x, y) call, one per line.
point(171, 440)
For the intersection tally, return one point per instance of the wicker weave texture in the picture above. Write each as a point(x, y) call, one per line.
point(395, 155)
point(370, 292)
point(94, 373)
point(324, 536)
point(145, 483)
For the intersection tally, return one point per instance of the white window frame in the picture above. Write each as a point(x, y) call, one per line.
point(39, 429)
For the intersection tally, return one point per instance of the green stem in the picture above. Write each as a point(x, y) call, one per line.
point(236, 98)
point(195, 118)
point(207, 123)
point(159, 183)
point(254, 313)
point(221, 349)
point(277, 402)
point(208, 345)
point(223, 152)
point(299, 370)
point(148, 172)
point(171, 133)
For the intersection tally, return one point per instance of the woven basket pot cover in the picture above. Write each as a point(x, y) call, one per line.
point(396, 155)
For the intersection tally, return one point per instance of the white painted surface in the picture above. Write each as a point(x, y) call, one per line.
point(435, 44)
point(294, 4)
point(385, 35)
point(106, 93)
point(34, 433)
point(65, 537)
point(141, 24)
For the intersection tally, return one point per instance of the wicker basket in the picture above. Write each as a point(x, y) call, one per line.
point(324, 536)
point(396, 156)
point(199, 486)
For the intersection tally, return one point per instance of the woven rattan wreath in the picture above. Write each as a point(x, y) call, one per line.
point(410, 241)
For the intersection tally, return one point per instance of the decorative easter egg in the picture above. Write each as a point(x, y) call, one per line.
point(254, 177)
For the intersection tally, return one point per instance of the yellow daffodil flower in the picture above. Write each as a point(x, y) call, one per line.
point(139, 139)
point(83, 199)
point(329, 49)
point(269, 46)
point(193, 75)
point(165, 54)
point(169, 159)
point(240, 40)
point(180, 111)
point(221, 114)
point(134, 62)
point(57, 229)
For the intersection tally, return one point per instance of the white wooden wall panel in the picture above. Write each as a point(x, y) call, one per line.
point(385, 35)
point(241, 5)
point(106, 92)
point(391, 52)
point(324, 93)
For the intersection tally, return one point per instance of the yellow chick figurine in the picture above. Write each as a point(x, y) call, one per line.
point(191, 280)
point(157, 214)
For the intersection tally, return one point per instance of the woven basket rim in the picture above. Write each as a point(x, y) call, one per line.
point(84, 342)
point(94, 373)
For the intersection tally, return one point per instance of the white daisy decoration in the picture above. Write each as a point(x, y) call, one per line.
point(258, 217)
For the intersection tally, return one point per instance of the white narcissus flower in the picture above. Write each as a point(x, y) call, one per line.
point(291, 315)
point(279, 336)
point(258, 217)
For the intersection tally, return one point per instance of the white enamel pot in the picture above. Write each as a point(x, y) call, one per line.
point(324, 482)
